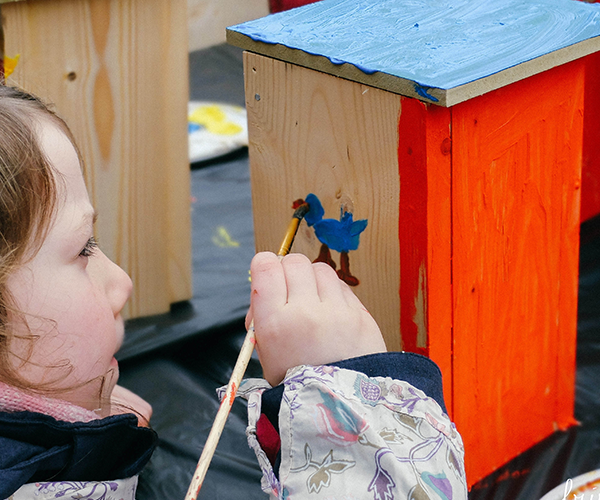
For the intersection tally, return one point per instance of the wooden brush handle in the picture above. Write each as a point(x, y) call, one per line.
point(236, 378)
point(217, 428)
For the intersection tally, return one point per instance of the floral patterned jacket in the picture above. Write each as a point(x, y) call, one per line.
point(122, 489)
point(344, 435)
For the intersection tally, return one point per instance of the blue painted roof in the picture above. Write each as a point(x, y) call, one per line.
point(436, 43)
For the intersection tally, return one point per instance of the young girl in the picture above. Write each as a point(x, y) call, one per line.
point(60, 303)
point(371, 426)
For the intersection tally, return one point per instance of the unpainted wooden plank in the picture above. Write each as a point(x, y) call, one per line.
point(116, 70)
point(311, 132)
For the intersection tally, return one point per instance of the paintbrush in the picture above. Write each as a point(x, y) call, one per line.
point(239, 369)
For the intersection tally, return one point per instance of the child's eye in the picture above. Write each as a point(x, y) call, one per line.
point(89, 248)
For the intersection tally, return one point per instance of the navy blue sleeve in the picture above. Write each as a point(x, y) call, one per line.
point(36, 447)
point(415, 369)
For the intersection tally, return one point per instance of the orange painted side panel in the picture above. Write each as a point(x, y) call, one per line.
point(516, 174)
point(590, 183)
point(439, 244)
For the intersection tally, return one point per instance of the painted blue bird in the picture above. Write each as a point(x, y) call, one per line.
point(340, 235)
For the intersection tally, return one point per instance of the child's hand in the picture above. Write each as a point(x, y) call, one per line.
point(304, 314)
point(124, 401)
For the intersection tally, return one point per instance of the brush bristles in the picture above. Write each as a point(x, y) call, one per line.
point(301, 211)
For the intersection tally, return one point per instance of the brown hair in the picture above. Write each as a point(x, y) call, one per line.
point(28, 197)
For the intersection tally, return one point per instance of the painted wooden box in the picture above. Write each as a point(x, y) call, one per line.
point(117, 71)
point(455, 129)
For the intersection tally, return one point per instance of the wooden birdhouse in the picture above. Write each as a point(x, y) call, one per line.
point(455, 130)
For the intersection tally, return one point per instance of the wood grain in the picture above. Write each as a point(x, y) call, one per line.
point(116, 70)
point(311, 132)
point(515, 198)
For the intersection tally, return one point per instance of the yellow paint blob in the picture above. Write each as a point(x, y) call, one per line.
point(215, 120)
point(223, 239)
point(10, 63)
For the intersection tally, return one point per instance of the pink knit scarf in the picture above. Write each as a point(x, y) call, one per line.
point(13, 400)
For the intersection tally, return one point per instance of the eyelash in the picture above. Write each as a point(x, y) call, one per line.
point(89, 248)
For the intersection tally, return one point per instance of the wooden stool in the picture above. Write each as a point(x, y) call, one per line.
point(117, 71)
point(456, 131)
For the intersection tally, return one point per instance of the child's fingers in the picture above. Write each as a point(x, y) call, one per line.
point(269, 289)
point(299, 277)
point(328, 284)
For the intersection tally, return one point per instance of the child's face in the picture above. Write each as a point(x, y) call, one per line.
point(71, 299)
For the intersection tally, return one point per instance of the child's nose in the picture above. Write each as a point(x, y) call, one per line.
point(117, 285)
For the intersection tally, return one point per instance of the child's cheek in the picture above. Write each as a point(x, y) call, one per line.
point(94, 328)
